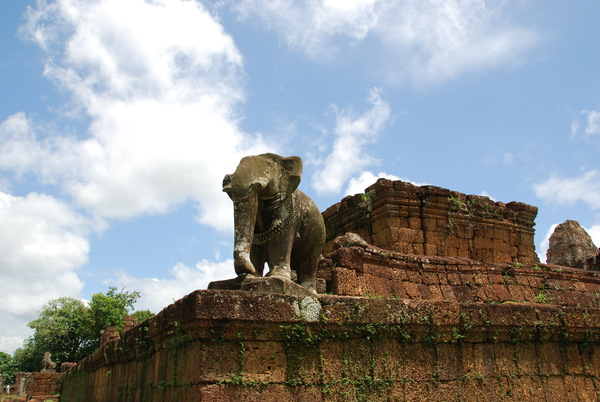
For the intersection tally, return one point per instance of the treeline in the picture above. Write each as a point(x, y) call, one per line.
point(70, 329)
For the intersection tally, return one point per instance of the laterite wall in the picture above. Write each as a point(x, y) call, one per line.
point(429, 220)
point(38, 386)
point(373, 272)
point(215, 345)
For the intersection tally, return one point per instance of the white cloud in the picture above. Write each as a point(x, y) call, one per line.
point(545, 243)
point(426, 40)
point(42, 244)
point(508, 159)
point(568, 191)
point(594, 233)
point(158, 86)
point(352, 133)
point(14, 330)
point(52, 159)
point(591, 124)
point(158, 293)
point(358, 184)
point(559, 190)
point(161, 84)
point(311, 26)
point(485, 194)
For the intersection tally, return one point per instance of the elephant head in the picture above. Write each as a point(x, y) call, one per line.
point(257, 179)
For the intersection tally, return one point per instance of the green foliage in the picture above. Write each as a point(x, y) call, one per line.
point(541, 297)
point(7, 367)
point(110, 309)
point(142, 315)
point(70, 330)
point(61, 329)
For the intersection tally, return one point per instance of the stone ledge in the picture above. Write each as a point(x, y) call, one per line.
point(270, 284)
point(237, 345)
point(375, 272)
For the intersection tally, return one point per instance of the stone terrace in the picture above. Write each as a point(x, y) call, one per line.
point(429, 220)
point(373, 272)
point(446, 302)
point(216, 345)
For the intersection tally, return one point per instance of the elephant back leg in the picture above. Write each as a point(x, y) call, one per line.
point(305, 265)
point(308, 245)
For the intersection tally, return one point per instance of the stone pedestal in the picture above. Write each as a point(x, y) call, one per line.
point(271, 284)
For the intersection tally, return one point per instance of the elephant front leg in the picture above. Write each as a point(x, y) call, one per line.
point(278, 257)
point(244, 217)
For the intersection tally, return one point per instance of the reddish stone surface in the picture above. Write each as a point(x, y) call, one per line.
point(39, 386)
point(374, 272)
point(476, 319)
point(570, 245)
point(429, 220)
point(217, 345)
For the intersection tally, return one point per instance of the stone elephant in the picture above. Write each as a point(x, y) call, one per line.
point(275, 223)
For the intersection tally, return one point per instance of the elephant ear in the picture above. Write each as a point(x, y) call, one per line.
point(292, 173)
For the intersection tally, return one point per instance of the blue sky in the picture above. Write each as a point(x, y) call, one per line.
point(119, 119)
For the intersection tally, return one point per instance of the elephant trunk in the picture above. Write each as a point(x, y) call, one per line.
point(244, 218)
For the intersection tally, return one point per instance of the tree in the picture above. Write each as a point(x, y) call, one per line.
point(70, 330)
point(142, 315)
point(7, 367)
point(110, 309)
point(61, 329)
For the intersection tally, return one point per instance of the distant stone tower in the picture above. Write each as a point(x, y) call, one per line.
point(571, 246)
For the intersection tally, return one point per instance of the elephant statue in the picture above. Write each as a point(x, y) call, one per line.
point(275, 223)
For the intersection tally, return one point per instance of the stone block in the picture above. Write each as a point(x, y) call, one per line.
point(450, 362)
point(345, 282)
point(375, 286)
point(435, 292)
point(387, 355)
point(357, 359)
point(417, 249)
point(505, 359)
point(424, 367)
point(263, 361)
point(550, 359)
point(415, 223)
point(412, 290)
point(572, 359)
point(331, 361)
point(430, 249)
point(585, 389)
point(430, 278)
point(303, 364)
point(412, 236)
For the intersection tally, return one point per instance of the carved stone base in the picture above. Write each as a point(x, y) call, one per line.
point(271, 284)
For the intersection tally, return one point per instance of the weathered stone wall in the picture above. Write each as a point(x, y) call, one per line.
point(216, 345)
point(39, 386)
point(374, 272)
point(570, 245)
point(434, 221)
point(448, 304)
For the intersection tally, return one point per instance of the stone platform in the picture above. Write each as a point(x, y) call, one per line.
point(224, 345)
point(271, 284)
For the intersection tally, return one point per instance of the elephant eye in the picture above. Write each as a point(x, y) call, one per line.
point(227, 180)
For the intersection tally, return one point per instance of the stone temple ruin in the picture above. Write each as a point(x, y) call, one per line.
point(440, 298)
point(572, 246)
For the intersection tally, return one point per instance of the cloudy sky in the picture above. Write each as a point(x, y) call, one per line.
point(119, 119)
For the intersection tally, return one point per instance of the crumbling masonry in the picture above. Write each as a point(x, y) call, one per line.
point(444, 301)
